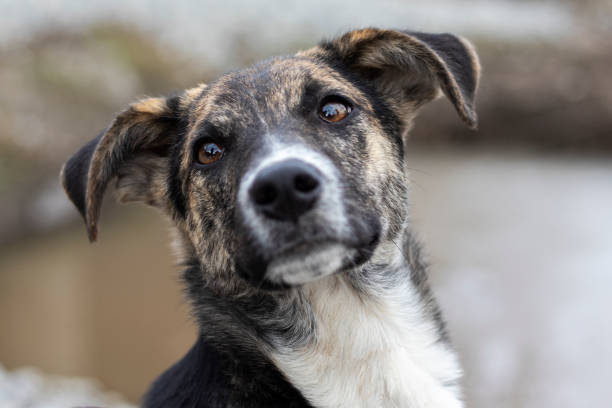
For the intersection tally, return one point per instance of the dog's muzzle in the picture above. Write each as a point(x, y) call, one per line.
point(293, 226)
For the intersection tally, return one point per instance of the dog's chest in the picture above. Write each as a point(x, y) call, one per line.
point(370, 352)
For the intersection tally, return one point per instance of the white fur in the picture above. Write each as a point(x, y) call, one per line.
point(379, 350)
point(301, 268)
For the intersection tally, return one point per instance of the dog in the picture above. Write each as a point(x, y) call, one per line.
point(287, 186)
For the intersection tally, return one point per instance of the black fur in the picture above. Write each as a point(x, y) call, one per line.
point(459, 62)
point(175, 189)
point(224, 368)
point(206, 378)
point(74, 174)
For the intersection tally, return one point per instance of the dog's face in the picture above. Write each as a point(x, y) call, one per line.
point(289, 170)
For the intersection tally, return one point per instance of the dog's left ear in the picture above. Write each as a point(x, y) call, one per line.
point(410, 67)
point(134, 149)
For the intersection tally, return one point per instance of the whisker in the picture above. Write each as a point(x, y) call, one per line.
point(419, 171)
point(417, 184)
point(400, 251)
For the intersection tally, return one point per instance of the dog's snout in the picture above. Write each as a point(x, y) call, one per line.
point(286, 190)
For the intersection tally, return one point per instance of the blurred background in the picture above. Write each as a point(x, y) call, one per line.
point(517, 217)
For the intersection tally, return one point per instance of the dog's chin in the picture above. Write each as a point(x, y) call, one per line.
point(308, 259)
point(302, 265)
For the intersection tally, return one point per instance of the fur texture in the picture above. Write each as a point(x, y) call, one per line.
point(332, 307)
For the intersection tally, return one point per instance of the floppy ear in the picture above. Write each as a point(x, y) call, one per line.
point(134, 149)
point(410, 67)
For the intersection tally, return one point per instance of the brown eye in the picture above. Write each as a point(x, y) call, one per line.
point(208, 153)
point(334, 110)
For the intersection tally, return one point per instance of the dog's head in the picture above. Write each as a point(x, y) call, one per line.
point(286, 171)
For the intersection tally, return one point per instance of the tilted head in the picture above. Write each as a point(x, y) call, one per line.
point(287, 171)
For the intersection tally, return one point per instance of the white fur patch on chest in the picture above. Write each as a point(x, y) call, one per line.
point(380, 352)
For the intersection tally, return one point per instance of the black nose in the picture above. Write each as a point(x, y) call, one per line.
point(286, 190)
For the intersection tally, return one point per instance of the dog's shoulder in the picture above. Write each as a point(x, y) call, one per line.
point(194, 381)
point(204, 377)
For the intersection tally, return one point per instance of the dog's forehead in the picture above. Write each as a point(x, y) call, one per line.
point(266, 97)
point(270, 90)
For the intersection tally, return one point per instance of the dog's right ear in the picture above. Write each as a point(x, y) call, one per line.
point(408, 68)
point(134, 149)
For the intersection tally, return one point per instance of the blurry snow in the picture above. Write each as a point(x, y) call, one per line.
point(521, 254)
point(204, 28)
point(30, 388)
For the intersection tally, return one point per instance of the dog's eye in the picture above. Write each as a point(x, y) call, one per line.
point(334, 109)
point(209, 152)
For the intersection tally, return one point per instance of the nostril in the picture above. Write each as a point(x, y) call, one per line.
point(285, 190)
point(305, 183)
point(264, 193)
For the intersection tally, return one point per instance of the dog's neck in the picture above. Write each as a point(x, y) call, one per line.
point(376, 341)
point(367, 337)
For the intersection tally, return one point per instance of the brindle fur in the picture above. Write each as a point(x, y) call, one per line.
point(245, 328)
